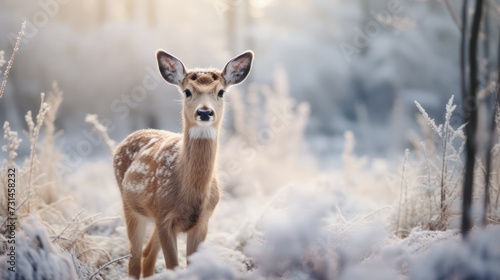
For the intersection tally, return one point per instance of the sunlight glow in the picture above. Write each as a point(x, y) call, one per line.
point(260, 3)
point(257, 7)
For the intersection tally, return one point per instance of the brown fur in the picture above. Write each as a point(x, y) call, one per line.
point(169, 178)
point(181, 201)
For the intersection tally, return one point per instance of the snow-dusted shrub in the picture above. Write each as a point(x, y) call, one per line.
point(431, 177)
point(475, 258)
point(37, 257)
point(431, 180)
point(493, 210)
point(50, 225)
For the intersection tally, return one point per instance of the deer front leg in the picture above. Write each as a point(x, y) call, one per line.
point(168, 241)
point(199, 232)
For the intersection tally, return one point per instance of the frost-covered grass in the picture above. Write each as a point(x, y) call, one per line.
point(431, 178)
point(52, 230)
point(280, 217)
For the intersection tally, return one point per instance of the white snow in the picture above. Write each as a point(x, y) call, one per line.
point(36, 257)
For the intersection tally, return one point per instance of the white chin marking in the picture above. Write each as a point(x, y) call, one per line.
point(202, 132)
point(204, 123)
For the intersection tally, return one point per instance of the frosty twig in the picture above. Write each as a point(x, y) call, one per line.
point(11, 60)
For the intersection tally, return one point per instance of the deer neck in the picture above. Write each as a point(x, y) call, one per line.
point(198, 160)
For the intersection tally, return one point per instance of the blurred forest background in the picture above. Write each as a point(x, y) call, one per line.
point(359, 64)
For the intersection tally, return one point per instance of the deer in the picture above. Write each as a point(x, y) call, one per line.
point(169, 179)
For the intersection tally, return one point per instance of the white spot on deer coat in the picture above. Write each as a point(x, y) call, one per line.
point(151, 142)
point(134, 186)
point(139, 167)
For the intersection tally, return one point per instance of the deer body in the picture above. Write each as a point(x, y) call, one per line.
point(169, 178)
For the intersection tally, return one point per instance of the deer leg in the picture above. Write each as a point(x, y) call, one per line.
point(195, 236)
point(149, 255)
point(168, 241)
point(136, 227)
point(199, 232)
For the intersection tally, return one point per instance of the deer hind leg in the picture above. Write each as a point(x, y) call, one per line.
point(150, 254)
point(136, 227)
point(168, 241)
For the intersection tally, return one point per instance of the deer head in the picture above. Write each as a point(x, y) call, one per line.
point(203, 90)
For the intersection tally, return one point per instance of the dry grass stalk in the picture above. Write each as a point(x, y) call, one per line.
point(34, 132)
point(71, 222)
point(49, 156)
point(67, 233)
point(403, 189)
point(101, 129)
point(11, 60)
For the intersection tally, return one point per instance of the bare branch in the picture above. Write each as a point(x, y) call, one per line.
point(67, 226)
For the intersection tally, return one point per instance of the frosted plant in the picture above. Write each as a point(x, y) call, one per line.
point(494, 204)
point(430, 121)
point(43, 243)
point(37, 257)
point(11, 60)
point(34, 132)
point(101, 129)
point(437, 187)
point(13, 142)
point(403, 190)
point(11, 147)
point(49, 156)
point(2, 59)
point(54, 206)
point(434, 195)
point(453, 259)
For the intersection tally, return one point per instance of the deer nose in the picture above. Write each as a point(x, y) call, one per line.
point(205, 114)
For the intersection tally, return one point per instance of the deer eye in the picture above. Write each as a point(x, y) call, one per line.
point(188, 93)
point(220, 93)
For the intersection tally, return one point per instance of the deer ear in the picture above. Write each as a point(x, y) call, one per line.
point(171, 68)
point(237, 69)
